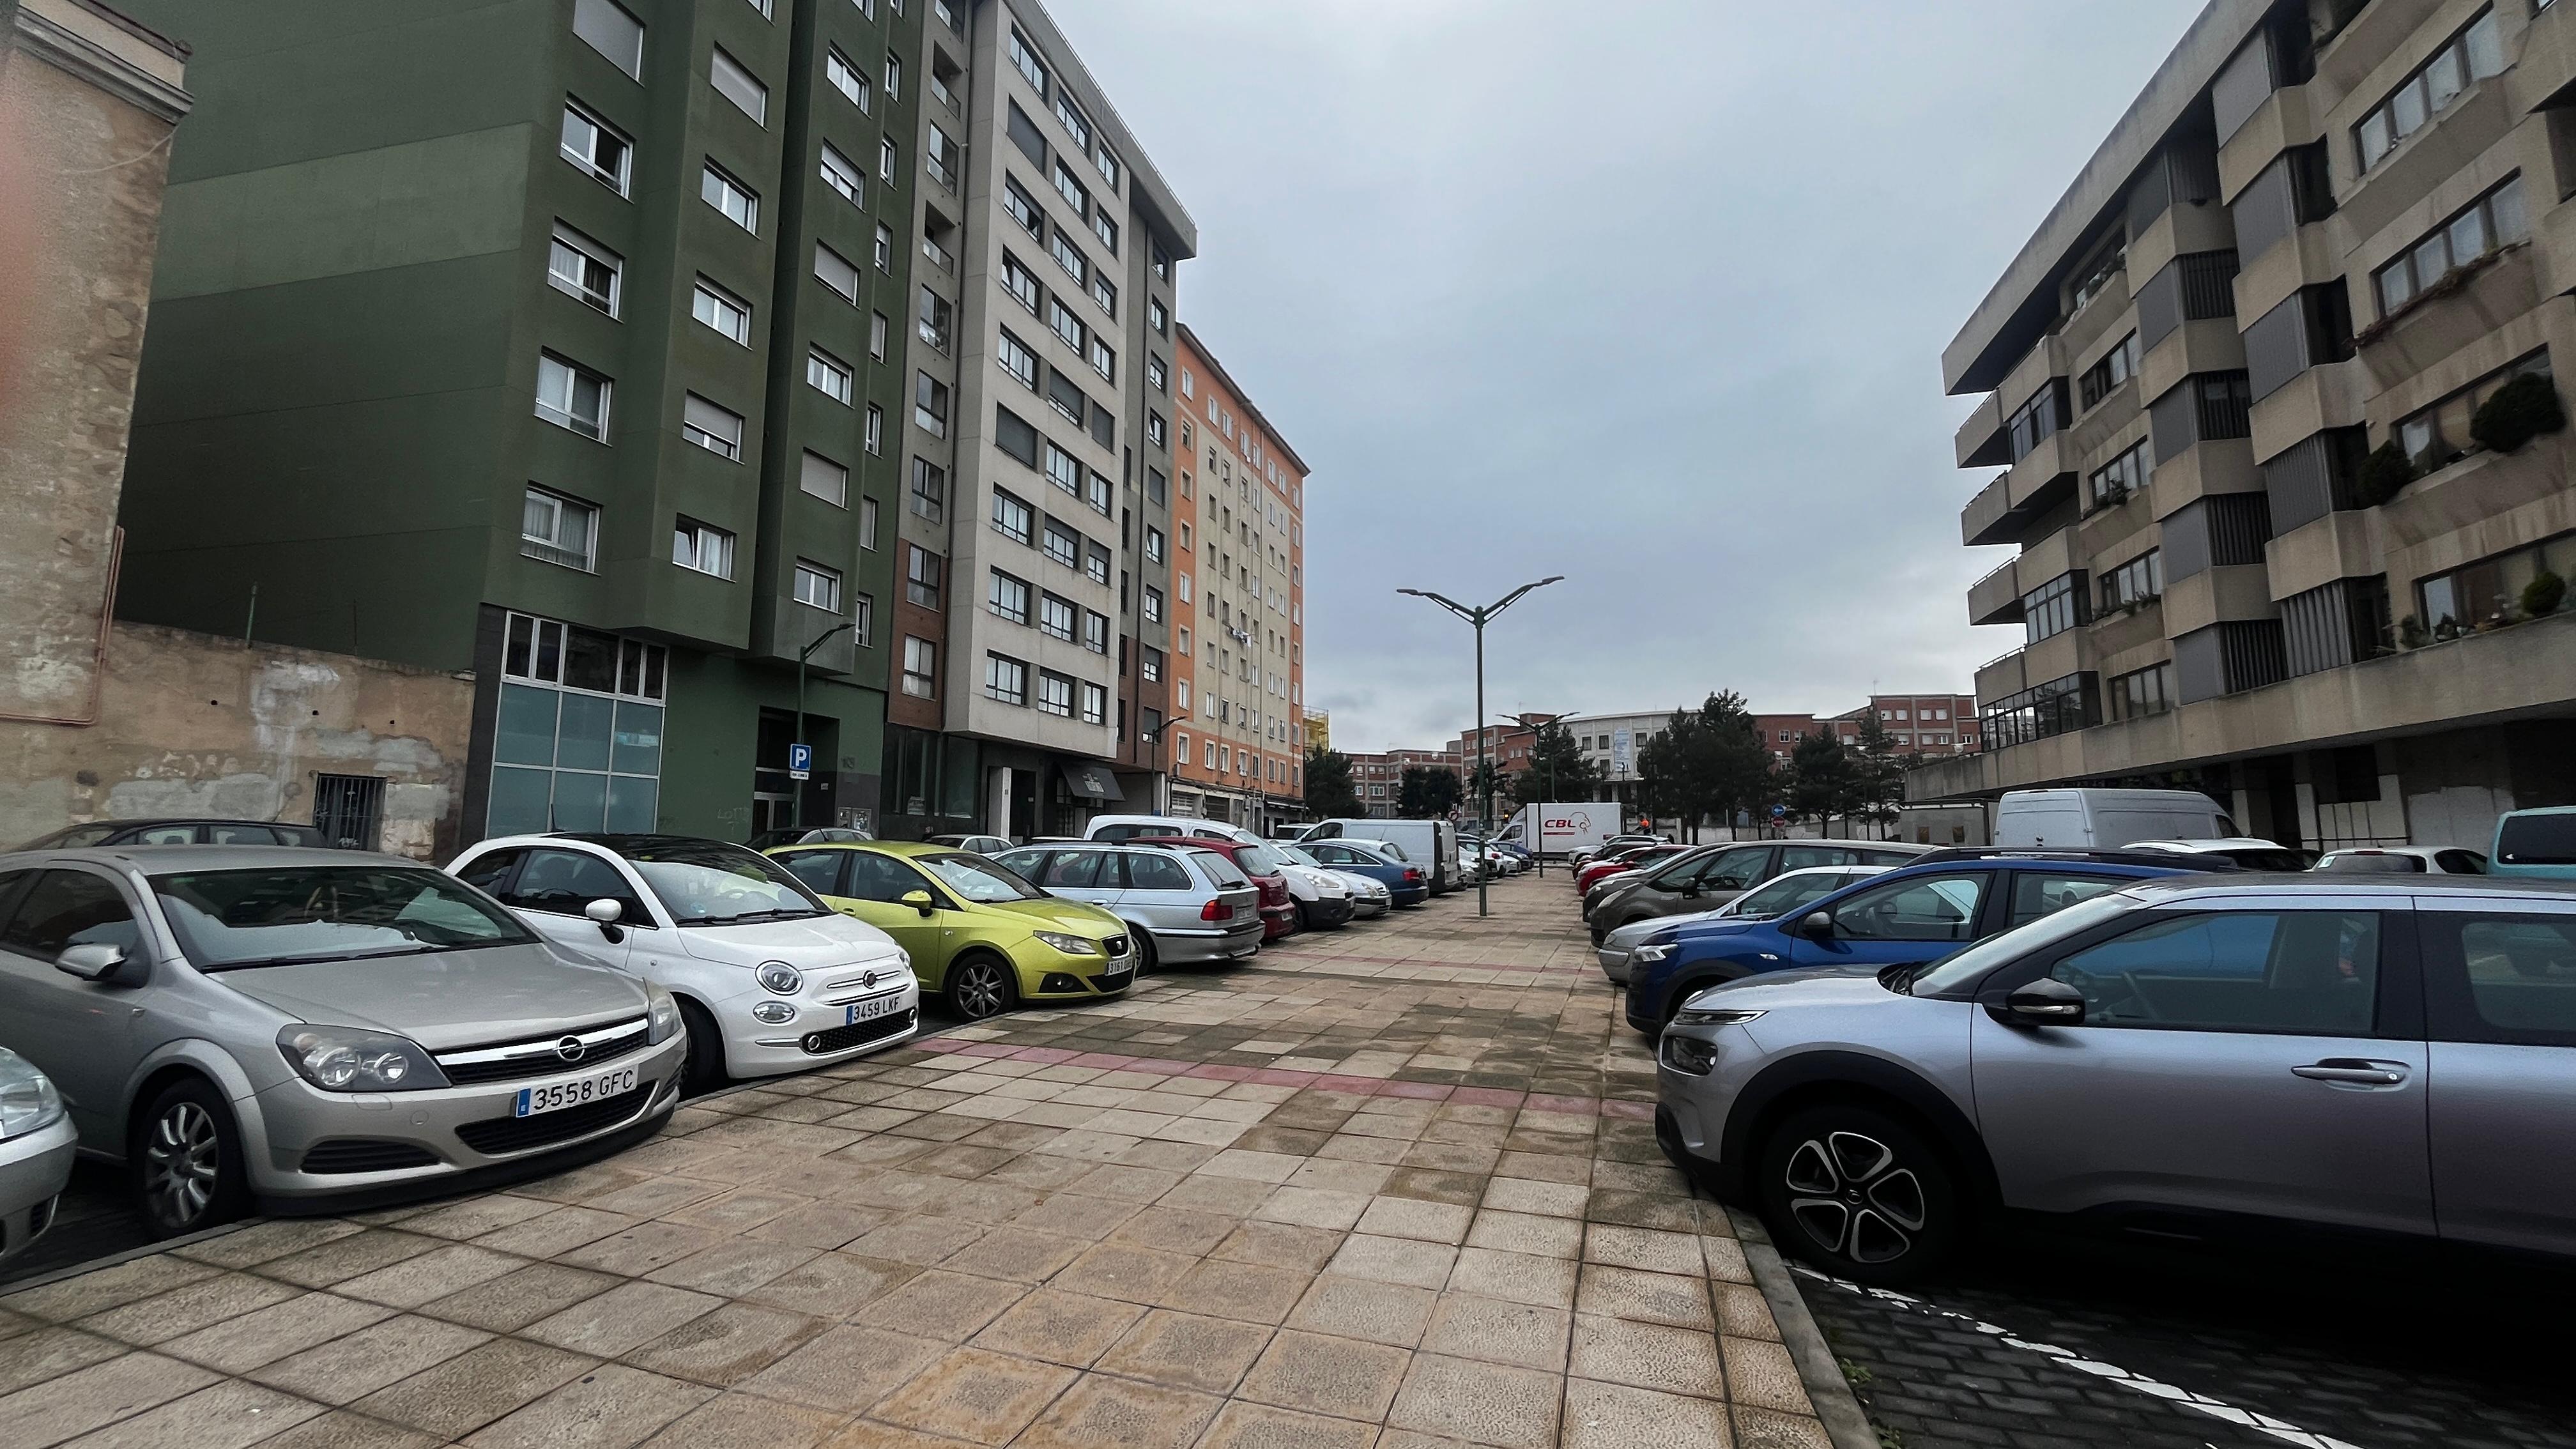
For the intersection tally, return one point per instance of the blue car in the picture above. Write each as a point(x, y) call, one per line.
point(1407, 883)
point(1902, 917)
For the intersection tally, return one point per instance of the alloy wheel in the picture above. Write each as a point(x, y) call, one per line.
point(1854, 1198)
point(979, 989)
point(182, 1164)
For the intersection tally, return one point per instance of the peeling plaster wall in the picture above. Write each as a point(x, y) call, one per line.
point(191, 724)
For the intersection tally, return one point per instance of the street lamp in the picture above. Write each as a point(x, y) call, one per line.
point(1480, 617)
point(1538, 847)
point(796, 797)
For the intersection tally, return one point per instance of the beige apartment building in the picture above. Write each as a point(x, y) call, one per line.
point(1035, 572)
point(2271, 429)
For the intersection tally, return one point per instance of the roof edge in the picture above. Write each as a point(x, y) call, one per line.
point(1208, 355)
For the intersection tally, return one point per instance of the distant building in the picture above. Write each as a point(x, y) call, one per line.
point(1319, 730)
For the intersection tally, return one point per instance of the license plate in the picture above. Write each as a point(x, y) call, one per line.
point(555, 1096)
point(1112, 980)
point(872, 1008)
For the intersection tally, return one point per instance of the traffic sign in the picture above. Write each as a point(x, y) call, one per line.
point(1779, 811)
point(800, 762)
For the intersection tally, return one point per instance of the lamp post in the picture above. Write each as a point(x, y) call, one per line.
point(1480, 616)
point(1538, 847)
point(796, 800)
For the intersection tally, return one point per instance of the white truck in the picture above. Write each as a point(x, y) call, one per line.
point(1557, 829)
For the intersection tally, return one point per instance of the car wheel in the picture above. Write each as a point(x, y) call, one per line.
point(980, 986)
point(1860, 1193)
point(1147, 958)
point(1304, 921)
point(702, 1070)
point(187, 1160)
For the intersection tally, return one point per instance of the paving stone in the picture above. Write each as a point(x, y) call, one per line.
point(357, 1364)
point(101, 1393)
point(227, 1415)
point(1339, 1377)
point(976, 1395)
point(1616, 1416)
point(1187, 1350)
point(457, 1397)
point(1060, 1327)
point(610, 1407)
point(1488, 1403)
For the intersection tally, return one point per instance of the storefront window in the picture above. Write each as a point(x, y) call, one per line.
point(578, 743)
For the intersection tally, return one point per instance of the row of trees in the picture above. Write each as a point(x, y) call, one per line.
point(1422, 794)
point(1712, 763)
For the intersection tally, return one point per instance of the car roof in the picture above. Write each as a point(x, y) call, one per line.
point(171, 859)
point(2213, 843)
point(881, 847)
point(2136, 870)
point(2543, 810)
point(2308, 883)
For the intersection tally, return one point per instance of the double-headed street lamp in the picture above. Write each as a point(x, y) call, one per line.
point(1480, 617)
point(1538, 846)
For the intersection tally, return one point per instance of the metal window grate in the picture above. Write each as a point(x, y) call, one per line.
point(349, 809)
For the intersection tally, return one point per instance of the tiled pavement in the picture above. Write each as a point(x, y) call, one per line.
point(1394, 1186)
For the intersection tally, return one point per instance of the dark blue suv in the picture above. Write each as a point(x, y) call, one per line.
point(1904, 917)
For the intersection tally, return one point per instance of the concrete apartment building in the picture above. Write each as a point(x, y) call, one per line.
point(2266, 542)
point(552, 340)
point(1034, 640)
point(1237, 664)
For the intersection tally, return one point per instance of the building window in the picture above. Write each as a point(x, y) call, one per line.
point(930, 404)
point(2472, 55)
point(828, 375)
point(1018, 360)
point(1023, 207)
point(880, 332)
point(1103, 361)
point(844, 176)
point(1095, 563)
point(703, 547)
point(2057, 707)
point(2114, 482)
point(1056, 617)
point(921, 577)
point(1055, 694)
point(1159, 378)
point(1016, 436)
point(1153, 605)
point(2036, 420)
point(885, 158)
point(1149, 662)
point(868, 524)
point(1063, 470)
point(885, 248)
point(1095, 631)
point(2106, 376)
point(612, 32)
point(837, 272)
point(2053, 608)
point(818, 587)
point(1013, 518)
point(1008, 597)
point(1182, 583)
point(1156, 431)
point(572, 396)
point(825, 479)
point(2136, 582)
point(1095, 704)
point(876, 429)
point(844, 77)
point(2439, 435)
point(1157, 317)
point(2135, 696)
point(1105, 294)
point(2490, 590)
point(1063, 545)
point(1110, 170)
point(582, 268)
point(1189, 383)
point(1006, 679)
point(893, 76)
point(731, 197)
point(1020, 282)
point(929, 489)
point(1105, 229)
point(920, 667)
point(1154, 548)
point(1070, 188)
point(727, 314)
point(2497, 219)
point(1024, 59)
point(710, 427)
point(596, 147)
point(558, 529)
point(933, 319)
point(1069, 257)
point(1075, 122)
point(578, 738)
point(1067, 326)
point(739, 86)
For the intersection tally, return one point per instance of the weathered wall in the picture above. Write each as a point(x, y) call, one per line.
point(192, 724)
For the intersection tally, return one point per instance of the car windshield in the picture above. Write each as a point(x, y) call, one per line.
point(2537, 839)
point(2371, 862)
point(1973, 960)
point(2274, 858)
point(1260, 860)
point(273, 916)
point(1787, 893)
point(708, 883)
point(1297, 856)
point(982, 881)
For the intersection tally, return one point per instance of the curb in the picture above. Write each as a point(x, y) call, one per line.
point(1837, 1407)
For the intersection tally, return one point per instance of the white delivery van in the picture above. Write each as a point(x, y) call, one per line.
point(1557, 829)
point(2106, 819)
point(1118, 829)
point(1431, 844)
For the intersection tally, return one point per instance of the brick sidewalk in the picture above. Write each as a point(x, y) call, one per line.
point(1393, 1186)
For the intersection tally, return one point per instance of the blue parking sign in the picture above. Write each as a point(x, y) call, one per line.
point(800, 762)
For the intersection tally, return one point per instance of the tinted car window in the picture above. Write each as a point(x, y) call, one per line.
point(1926, 908)
point(2371, 862)
point(486, 872)
point(1799, 857)
point(2288, 972)
point(563, 882)
point(1736, 869)
point(247, 835)
point(874, 877)
point(1885, 857)
point(167, 835)
point(1220, 870)
point(1115, 834)
point(67, 908)
point(819, 869)
point(2512, 977)
point(2537, 840)
point(705, 883)
point(1147, 871)
point(226, 919)
point(1072, 870)
point(981, 880)
point(2462, 862)
point(1780, 896)
point(2037, 893)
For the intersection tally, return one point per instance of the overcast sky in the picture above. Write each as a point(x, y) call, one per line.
point(1651, 294)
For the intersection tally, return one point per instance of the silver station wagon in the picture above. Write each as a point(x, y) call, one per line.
point(286, 1027)
point(1186, 906)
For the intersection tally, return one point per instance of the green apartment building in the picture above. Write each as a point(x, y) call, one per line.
point(557, 341)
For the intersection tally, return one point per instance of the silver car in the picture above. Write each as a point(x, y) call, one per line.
point(245, 1025)
point(37, 1144)
point(2390, 1056)
point(1777, 896)
point(1187, 906)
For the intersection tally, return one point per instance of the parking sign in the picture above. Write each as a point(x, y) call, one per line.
point(800, 762)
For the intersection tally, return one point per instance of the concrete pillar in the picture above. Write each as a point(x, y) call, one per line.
point(997, 801)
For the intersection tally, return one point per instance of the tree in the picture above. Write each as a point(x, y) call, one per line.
point(1424, 793)
point(1484, 781)
point(1881, 769)
point(1707, 763)
point(1328, 785)
point(1823, 778)
point(1557, 770)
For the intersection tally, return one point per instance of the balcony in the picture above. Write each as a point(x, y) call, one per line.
point(1996, 598)
point(941, 173)
point(2000, 677)
point(940, 92)
point(939, 256)
point(1981, 442)
point(949, 15)
point(2003, 509)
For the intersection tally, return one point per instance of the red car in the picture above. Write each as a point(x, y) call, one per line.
point(1278, 912)
point(1635, 858)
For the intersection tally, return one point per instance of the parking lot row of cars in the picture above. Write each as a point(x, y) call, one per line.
point(256, 1019)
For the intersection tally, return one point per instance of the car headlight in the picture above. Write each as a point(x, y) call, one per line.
point(347, 1059)
point(778, 978)
point(1649, 955)
point(662, 1014)
point(28, 1101)
point(1069, 945)
point(1714, 1016)
point(1689, 1055)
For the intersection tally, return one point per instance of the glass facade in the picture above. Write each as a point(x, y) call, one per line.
point(578, 745)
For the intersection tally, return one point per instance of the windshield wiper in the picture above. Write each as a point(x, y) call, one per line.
point(1900, 978)
point(778, 913)
point(310, 957)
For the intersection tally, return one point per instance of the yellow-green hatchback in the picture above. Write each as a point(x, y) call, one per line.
point(978, 934)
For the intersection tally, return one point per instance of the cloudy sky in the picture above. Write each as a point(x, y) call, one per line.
point(1650, 294)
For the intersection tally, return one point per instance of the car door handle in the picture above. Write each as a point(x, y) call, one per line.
point(2353, 1071)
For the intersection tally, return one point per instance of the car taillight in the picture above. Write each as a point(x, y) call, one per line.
point(1411, 876)
point(1216, 910)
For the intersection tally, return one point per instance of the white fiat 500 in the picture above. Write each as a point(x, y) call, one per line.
point(769, 979)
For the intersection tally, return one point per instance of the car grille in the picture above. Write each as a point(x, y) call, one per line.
point(842, 1038)
point(866, 982)
point(1116, 946)
point(366, 1154)
point(541, 1056)
point(494, 1136)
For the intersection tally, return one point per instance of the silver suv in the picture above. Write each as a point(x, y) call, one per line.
point(242, 1023)
point(2369, 1054)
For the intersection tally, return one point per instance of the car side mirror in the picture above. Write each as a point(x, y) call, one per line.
point(91, 961)
point(920, 901)
point(607, 913)
point(2045, 1002)
point(1819, 925)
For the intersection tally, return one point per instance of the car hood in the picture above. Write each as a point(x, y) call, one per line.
point(1321, 882)
point(450, 998)
point(1692, 928)
point(1075, 918)
point(1806, 986)
point(1636, 933)
point(815, 942)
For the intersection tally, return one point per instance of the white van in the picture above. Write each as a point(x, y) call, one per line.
point(1118, 829)
point(2106, 819)
point(1432, 844)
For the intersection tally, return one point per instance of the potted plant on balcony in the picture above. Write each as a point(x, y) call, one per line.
point(2412, 633)
point(2384, 474)
point(2542, 596)
point(2517, 412)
